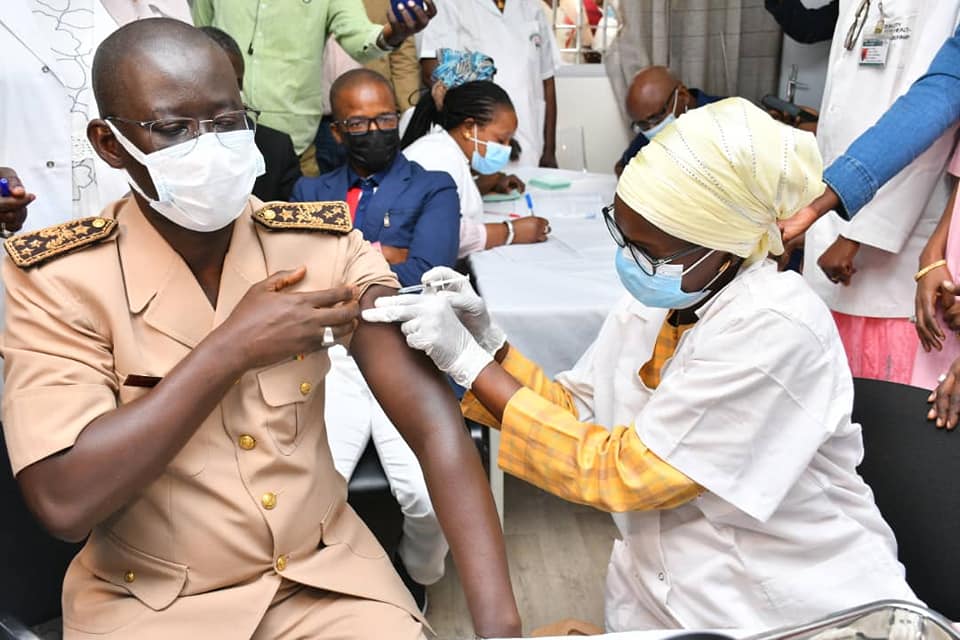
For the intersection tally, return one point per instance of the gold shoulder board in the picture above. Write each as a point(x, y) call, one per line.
point(35, 247)
point(332, 217)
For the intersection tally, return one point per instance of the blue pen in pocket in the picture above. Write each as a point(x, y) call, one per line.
point(4, 188)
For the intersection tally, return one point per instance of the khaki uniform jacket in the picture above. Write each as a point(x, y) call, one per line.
point(253, 497)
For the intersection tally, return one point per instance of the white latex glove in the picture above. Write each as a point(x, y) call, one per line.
point(469, 307)
point(431, 326)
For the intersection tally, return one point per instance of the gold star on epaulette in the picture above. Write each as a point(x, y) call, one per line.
point(33, 248)
point(332, 217)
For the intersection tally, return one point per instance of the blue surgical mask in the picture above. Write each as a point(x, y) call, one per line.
point(663, 124)
point(662, 289)
point(498, 155)
point(660, 126)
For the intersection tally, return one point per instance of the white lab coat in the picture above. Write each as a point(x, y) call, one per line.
point(894, 227)
point(34, 114)
point(755, 407)
point(521, 43)
point(34, 118)
point(438, 151)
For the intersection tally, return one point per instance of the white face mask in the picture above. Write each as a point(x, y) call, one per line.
point(206, 189)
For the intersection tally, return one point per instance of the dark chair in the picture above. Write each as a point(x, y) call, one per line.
point(910, 464)
point(32, 563)
point(370, 496)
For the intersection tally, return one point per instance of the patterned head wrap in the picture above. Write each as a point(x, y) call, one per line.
point(721, 176)
point(456, 67)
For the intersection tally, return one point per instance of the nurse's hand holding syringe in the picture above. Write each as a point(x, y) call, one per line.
point(466, 303)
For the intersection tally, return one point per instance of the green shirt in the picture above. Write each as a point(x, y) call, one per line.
point(282, 43)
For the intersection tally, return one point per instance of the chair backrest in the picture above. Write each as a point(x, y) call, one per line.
point(911, 465)
point(32, 562)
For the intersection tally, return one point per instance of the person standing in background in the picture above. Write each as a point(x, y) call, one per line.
point(400, 67)
point(282, 164)
point(46, 101)
point(864, 268)
point(516, 34)
point(283, 44)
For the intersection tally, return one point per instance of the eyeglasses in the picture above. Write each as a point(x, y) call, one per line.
point(646, 263)
point(359, 126)
point(170, 132)
point(853, 34)
point(669, 106)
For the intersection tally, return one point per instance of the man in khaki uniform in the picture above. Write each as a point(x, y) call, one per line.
point(165, 367)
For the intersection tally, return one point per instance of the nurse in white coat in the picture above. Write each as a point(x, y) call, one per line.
point(46, 100)
point(712, 414)
point(516, 34)
point(863, 269)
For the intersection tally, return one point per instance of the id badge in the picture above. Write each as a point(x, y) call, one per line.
point(874, 50)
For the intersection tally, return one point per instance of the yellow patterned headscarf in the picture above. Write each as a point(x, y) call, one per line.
point(722, 175)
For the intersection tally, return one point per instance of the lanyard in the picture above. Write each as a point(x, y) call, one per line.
point(853, 34)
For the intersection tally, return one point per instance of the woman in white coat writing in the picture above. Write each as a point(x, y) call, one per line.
point(712, 414)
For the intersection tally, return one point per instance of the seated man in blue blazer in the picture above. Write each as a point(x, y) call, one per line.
point(413, 216)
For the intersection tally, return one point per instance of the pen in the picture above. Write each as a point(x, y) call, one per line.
point(439, 284)
point(4, 188)
point(529, 200)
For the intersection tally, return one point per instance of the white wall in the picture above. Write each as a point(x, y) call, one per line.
point(586, 101)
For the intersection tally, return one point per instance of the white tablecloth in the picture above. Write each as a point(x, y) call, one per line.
point(551, 298)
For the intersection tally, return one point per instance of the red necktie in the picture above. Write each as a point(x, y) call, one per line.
point(353, 198)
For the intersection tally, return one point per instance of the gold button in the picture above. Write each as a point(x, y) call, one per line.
point(305, 388)
point(268, 500)
point(269, 215)
point(99, 223)
point(247, 442)
point(281, 563)
point(129, 576)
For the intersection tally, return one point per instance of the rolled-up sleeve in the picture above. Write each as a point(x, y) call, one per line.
point(544, 443)
point(354, 31)
point(58, 368)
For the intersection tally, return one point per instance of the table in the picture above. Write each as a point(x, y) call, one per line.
point(551, 298)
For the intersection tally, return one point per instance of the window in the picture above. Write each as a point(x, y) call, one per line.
point(583, 28)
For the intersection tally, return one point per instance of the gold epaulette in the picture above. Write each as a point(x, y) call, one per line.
point(35, 247)
point(333, 216)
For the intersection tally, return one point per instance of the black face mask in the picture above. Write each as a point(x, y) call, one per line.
point(373, 150)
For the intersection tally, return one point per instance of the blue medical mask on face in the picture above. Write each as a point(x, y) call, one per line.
point(657, 128)
point(663, 124)
point(663, 288)
point(498, 155)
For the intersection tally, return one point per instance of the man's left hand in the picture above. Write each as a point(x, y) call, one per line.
point(406, 18)
point(837, 261)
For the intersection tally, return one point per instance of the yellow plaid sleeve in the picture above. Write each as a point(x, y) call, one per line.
point(530, 375)
point(547, 446)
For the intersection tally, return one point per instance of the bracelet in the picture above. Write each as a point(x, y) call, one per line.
point(927, 269)
point(383, 45)
point(509, 224)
